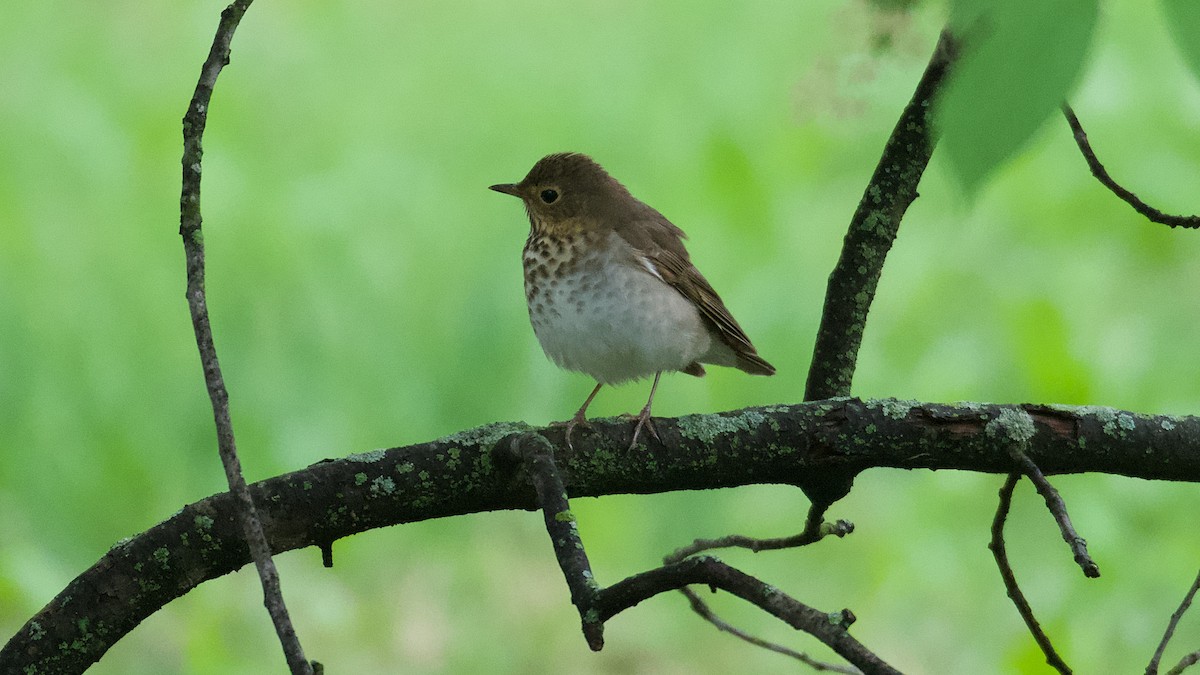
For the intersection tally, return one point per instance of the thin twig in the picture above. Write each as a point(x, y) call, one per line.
point(1010, 579)
point(1058, 508)
point(702, 608)
point(1152, 668)
point(1186, 662)
point(829, 628)
point(1101, 174)
point(815, 529)
point(193, 244)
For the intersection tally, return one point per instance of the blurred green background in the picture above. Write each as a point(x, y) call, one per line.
point(365, 291)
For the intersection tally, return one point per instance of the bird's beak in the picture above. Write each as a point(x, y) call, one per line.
point(507, 188)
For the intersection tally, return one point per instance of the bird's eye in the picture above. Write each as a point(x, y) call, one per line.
point(549, 196)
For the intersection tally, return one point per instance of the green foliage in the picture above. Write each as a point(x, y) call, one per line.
point(1020, 59)
point(365, 290)
point(1183, 18)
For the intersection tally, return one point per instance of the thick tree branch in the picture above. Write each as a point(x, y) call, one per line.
point(873, 228)
point(473, 471)
point(1107, 181)
point(194, 121)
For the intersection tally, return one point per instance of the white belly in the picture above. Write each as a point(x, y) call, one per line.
point(615, 321)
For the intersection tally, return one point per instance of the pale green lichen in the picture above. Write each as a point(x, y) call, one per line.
point(36, 632)
point(204, 526)
point(1166, 425)
point(706, 428)
point(590, 581)
point(372, 456)
point(360, 478)
point(1013, 424)
point(896, 409)
point(383, 486)
point(405, 467)
point(486, 435)
point(1106, 416)
point(163, 556)
point(564, 517)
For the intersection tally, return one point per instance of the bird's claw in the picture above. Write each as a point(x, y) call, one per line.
point(643, 420)
point(577, 421)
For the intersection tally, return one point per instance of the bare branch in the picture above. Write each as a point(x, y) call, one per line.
point(1010, 580)
point(1101, 174)
point(596, 604)
point(1152, 668)
point(815, 529)
point(1058, 508)
point(706, 613)
point(190, 220)
point(538, 456)
point(1186, 662)
point(829, 628)
point(473, 471)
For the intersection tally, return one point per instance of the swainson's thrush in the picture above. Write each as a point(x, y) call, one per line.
point(612, 291)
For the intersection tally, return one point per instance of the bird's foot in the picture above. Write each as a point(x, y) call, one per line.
point(643, 420)
point(577, 421)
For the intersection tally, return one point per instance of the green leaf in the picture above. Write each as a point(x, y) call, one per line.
point(1020, 58)
point(1183, 20)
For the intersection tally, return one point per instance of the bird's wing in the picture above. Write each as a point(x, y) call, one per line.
point(660, 243)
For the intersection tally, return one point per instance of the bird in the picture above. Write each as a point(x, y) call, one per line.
point(611, 289)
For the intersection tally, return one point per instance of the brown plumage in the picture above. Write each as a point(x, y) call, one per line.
point(612, 291)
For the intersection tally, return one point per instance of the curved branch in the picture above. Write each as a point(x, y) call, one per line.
point(829, 628)
point(194, 121)
point(1058, 509)
point(463, 473)
point(1101, 174)
point(538, 455)
point(1000, 552)
point(1152, 668)
point(815, 529)
point(702, 609)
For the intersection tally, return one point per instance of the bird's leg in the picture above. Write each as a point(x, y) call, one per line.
point(643, 418)
point(580, 418)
